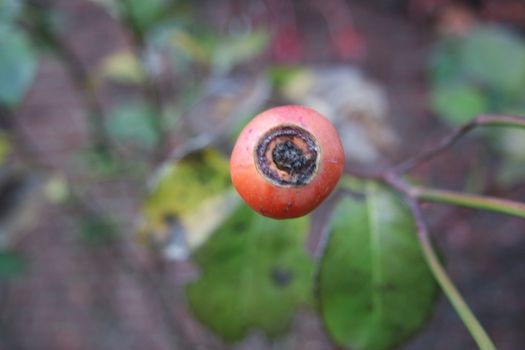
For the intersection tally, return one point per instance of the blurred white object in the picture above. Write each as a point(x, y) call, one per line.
point(357, 106)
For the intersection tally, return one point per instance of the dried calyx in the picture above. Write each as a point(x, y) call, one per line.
point(287, 156)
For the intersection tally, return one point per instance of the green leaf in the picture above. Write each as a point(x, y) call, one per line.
point(375, 288)
point(98, 230)
point(144, 14)
point(17, 65)
point(184, 45)
point(185, 192)
point(238, 48)
point(255, 273)
point(458, 104)
point(102, 163)
point(10, 9)
point(445, 64)
point(281, 75)
point(133, 123)
point(11, 265)
point(496, 57)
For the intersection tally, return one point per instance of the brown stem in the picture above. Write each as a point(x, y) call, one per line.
point(450, 140)
point(469, 320)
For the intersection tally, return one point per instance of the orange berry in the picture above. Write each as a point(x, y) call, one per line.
point(286, 161)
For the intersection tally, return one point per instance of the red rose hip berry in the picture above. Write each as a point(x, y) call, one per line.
point(286, 161)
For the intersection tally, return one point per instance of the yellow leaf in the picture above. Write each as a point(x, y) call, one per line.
point(122, 66)
point(5, 147)
point(188, 200)
point(56, 189)
point(189, 46)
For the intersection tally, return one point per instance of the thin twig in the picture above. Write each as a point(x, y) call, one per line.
point(410, 194)
point(512, 121)
point(476, 330)
point(499, 205)
point(362, 174)
point(440, 274)
point(450, 140)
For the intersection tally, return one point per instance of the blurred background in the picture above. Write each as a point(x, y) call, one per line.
point(117, 118)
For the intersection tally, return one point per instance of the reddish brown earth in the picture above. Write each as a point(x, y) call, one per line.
point(75, 296)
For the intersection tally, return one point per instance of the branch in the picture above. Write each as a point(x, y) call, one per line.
point(392, 178)
point(450, 140)
point(500, 120)
point(453, 295)
point(499, 205)
point(410, 195)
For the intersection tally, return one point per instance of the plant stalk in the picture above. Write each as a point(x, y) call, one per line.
point(498, 205)
point(450, 140)
point(438, 271)
point(471, 322)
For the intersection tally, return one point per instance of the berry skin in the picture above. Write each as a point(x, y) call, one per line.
point(286, 161)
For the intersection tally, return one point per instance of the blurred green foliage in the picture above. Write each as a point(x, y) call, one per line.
point(12, 264)
point(483, 72)
point(220, 53)
point(457, 104)
point(133, 124)
point(495, 58)
point(144, 14)
point(484, 69)
point(254, 274)
point(375, 288)
point(9, 11)
point(97, 230)
point(17, 65)
point(5, 147)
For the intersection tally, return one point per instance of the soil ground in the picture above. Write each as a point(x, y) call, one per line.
point(75, 296)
